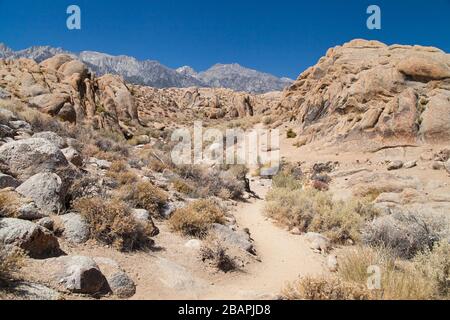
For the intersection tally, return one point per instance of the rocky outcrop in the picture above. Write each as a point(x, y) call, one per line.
point(366, 89)
point(63, 86)
point(173, 105)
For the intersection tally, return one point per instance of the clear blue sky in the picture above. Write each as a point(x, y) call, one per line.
point(280, 37)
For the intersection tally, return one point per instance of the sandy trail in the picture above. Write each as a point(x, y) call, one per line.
point(284, 257)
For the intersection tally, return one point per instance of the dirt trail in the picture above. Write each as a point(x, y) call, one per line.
point(284, 257)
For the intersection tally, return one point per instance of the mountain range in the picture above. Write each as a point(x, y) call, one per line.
point(154, 74)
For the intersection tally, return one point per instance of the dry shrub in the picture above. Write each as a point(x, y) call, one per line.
point(284, 180)
point(111, 223)
point(435, 266)
point(400, 280)
point(315, 211)
point(119, 171)
point(405, 233)
point(213, 182)
point(10, 263)
point(144, 195)
point(197, 218)
point(86, 186)
point(157, 166)
point(118, 166)
point(216, 255)
point(325, 288)
point(290, 134)
point(9, 202)
point(182, 187)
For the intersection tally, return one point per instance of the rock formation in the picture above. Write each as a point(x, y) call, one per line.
point(366, 89)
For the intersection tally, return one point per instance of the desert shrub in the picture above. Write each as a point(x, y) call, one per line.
point(144, 195)
point(86, 186)
point(290, 134)
point(182, 187)
point(9, 202)
point(111, 223)
point(287, 181)
point(197, 218)
point(267, 120)
point(118, 166)
point(405, 233)
point(399, 279)
point(230, 183)
point(10, 263)
point(217, 256)
point(344, 221)
point(435, 266)
point(157, 166)
point(310, 210)
point(325, 288)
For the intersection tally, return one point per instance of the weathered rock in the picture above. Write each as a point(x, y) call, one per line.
point(370, 94)
point(74, 228)
point(410, 164)
point(7, 181)
point(233, 238)
point(318, 242)
point(119, 282)
point(52, 137)
point(76, 274)
point(73, 156)
point(332, 263)
point(36, 241)
point(447, 166)
point(424, 68)
point(46, 190)
point(26, 158)
point(29, 291)
point(46, 223)
point(395, 165)
point(68, 113)
point(141, 215)
point(50, 103)
point(437, 165)
point(193, 244)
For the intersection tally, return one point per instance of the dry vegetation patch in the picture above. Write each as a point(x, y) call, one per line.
point(111, 223)
point(197, 218)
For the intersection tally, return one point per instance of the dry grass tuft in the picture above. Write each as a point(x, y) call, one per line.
point(217, 256)
point(182, 187)
point(325, 288)
point(311, 210)
point(9, 202)
point(196, 218)
point(10, 263)
point(144, 195)
point(111, 223)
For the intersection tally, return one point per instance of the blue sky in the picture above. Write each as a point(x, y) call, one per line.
point(280, 37)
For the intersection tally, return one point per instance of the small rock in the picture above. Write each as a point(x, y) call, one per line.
point(239, 239)
point(410, 164)
point(76, 274)
point(46, 223)
point(141, 215)
point(318, 242)
point(193, 244)
point(7, 181)
point(438, 165)
point(395, 165)
point(118, 281)
point(73, 156)
point(75, 228)
point(332, 263)
point(45, 189)
point(296, 231)
point(52, 137)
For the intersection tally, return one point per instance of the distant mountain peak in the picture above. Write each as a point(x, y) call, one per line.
point(152, 73)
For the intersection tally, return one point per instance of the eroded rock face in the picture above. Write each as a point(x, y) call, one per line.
point(371, 90)
point(63, 86)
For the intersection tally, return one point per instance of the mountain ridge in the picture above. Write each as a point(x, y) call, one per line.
point(154, 74)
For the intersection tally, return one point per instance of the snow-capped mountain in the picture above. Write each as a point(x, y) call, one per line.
point(154, 74)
